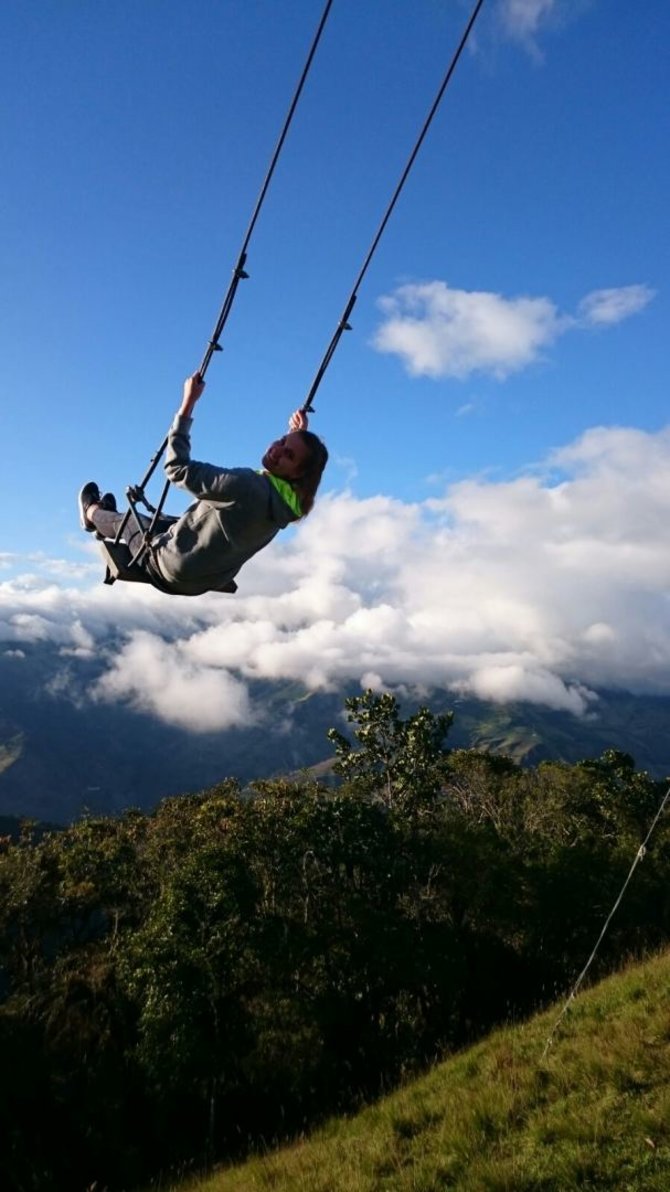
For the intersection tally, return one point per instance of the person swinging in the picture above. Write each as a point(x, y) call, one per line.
point(236, 512)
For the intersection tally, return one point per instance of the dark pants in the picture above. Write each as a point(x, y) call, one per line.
point(108, 524)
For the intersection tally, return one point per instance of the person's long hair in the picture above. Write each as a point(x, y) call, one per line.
point(306, 485)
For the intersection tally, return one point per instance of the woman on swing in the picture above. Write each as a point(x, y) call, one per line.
point(237, 511)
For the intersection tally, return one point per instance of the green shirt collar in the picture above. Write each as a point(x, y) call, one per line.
point(286, 492)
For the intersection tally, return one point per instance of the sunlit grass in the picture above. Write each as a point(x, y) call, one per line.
point(595, 1113)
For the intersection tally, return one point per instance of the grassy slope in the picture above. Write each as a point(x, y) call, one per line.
point(594, 1114)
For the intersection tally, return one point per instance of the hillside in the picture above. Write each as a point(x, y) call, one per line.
point(594, 1114)
point(62, 753)
point(181, 988)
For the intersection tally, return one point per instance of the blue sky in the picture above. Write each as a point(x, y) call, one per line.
point(515, 313)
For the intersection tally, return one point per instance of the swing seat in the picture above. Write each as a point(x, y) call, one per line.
point(119, 565)
point(118, 558)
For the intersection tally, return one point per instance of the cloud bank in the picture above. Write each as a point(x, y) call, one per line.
point(438, 331)
point(543, 588)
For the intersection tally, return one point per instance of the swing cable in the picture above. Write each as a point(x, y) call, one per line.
point(135, 493)
point(639, 856)
point(344, 324)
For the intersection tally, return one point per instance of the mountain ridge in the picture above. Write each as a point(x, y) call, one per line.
point(62, 754)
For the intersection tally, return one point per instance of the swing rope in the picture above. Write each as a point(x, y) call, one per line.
point(344, 324)
point(135, 493)
point(238, 272)
point(638, 857)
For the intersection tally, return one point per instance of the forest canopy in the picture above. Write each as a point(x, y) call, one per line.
point(184, 986)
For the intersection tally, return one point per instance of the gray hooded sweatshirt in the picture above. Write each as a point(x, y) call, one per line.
point(236, 513)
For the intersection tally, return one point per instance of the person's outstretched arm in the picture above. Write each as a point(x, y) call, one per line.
point(193, 390)
point(200, 479)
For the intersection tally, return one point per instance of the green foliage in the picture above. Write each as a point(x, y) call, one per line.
point(620, 798)
point(400, 762)
point(228, 969)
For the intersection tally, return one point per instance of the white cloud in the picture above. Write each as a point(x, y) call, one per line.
point(525, 21)
point(157, 676)
point(438, 331)
point(504, 683)
point(542, 588)
point(442, 332)
point(603, 308)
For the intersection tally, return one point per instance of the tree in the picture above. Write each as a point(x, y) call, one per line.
point(400, 763)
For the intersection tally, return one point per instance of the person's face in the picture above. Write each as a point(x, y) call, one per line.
point(287, 457)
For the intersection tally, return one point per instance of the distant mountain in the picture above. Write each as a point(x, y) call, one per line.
point(61, 754)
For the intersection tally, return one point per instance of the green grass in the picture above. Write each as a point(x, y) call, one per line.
point(595, 1113)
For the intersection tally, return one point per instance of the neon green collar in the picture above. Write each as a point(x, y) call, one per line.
point(286, 492)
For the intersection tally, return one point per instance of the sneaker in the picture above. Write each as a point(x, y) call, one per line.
point(88, 495)
point(108, 503)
